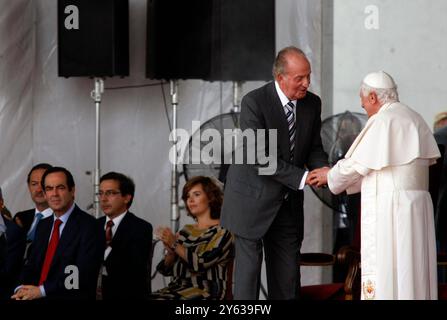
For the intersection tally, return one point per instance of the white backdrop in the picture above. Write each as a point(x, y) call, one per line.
point(409, 43)
point(44, 118)
point(17, 61)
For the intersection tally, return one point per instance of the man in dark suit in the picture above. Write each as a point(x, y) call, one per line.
point(29, 219)
point(12, 248)
point(3, 209)
point(126, 239)
point(441, 209)
point(267, 210)
point(65, 256)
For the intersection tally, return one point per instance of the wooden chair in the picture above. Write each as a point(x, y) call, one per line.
point(348, 257)
point(149, 265)
point(442, 287)
point(229, 283)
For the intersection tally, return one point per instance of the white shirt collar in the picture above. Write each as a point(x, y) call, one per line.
point(282, 96)
point(45, 213)
point(116, 221)
point(2, 225)
point(66, 215)
point(63, 218)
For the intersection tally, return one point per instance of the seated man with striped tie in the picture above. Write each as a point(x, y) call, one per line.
point(29, 219)
point(65, 257)
point(126, 242)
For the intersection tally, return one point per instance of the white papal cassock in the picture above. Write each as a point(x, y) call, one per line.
point(388, 162)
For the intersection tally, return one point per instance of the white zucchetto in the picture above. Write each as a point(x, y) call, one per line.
point(379, 80)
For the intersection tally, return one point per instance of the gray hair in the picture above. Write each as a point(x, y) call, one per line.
point(281, 61)
point(383, 95)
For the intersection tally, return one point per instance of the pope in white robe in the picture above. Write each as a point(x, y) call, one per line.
point(388, 163)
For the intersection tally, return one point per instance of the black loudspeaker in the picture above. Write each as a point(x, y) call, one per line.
point(210, 39)
point(93, 38)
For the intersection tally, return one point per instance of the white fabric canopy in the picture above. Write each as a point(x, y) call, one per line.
point(44, 118)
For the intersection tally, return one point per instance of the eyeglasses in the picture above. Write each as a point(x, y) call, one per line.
point(107, 193)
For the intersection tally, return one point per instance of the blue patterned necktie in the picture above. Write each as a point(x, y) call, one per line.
point(288, 109)
point(32, 232)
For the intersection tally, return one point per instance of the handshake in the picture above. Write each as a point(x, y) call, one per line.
point(318, 177)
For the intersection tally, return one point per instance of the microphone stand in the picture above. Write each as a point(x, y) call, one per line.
point(96, 96)
point(175, 216)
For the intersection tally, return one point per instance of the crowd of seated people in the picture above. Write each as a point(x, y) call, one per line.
point(55, 250)
point(111, 253)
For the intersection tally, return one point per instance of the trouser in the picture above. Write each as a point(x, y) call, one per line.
point(282, 246)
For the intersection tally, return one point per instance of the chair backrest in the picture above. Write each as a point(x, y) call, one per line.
point(149, 264)
point(346, 261)
point(346, 257)
point(350, 257)
point(229, 283)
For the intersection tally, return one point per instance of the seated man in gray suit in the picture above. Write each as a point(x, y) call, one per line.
point(267, 210)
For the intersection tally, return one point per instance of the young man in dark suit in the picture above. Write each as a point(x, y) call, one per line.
point(267, 210)
point(126, 240)
point(29, 219)
point(65, 257)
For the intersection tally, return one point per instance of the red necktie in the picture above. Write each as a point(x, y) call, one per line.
point(109, 235)
point(50, 251)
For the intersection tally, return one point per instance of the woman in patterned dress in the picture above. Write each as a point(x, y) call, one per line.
point(199, 255)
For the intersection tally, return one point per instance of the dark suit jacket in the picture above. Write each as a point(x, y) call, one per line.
point(128, 275)
point(251, 201)
point(78, 246)
point(441, 208)
point(26, 217)
point(11, 258)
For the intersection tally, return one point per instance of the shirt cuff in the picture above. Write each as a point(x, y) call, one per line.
point(303, 181)
point(42, 291)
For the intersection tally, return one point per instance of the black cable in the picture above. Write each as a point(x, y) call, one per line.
point(220, 98)
point(166, 105)
point(149, 85)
